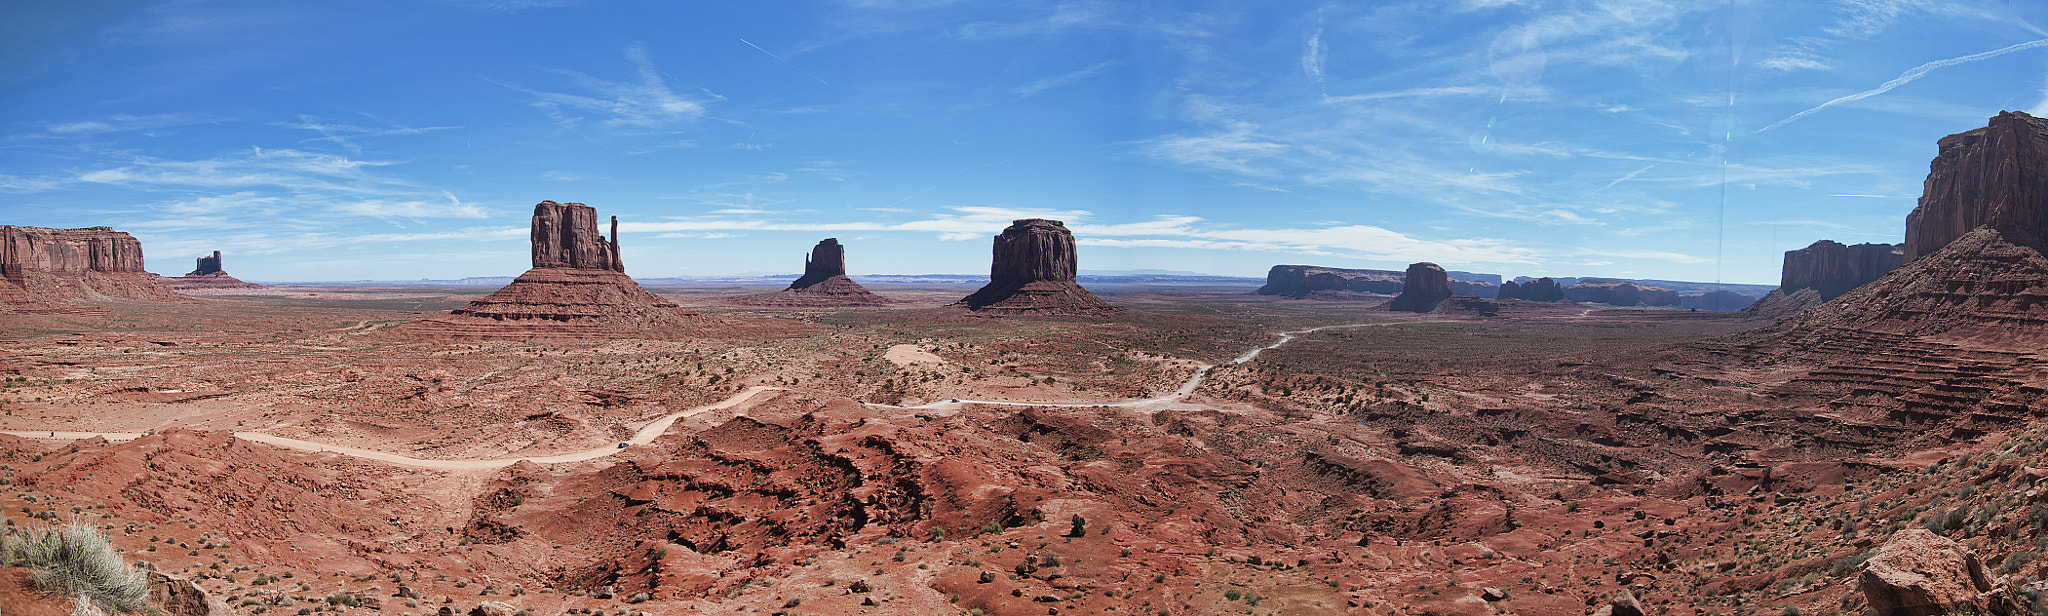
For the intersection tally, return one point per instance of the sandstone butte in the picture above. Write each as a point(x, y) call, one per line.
point(207, 274)
point(43, 270)
point(1975, 269)
point(577, 290)
point(1824, 271)
point(1333, 283)
point(824, 284)
point(1034, 272)
point(1423, 287)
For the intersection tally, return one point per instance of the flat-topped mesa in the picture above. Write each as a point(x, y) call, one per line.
point(1033, 272)
point(823, 285)
point(39, 264)
point(1543, 289)
point(565, 235)
point(1994, 176)
point(1423, 287)
point(1833, 269)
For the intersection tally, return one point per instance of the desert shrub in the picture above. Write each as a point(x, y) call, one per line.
point(1080, 526)
point(1232, 594)
point(77, 559)
point(343, 597)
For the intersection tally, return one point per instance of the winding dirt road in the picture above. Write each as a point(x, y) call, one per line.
point(647, 433)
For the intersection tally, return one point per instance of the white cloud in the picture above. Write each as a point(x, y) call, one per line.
point(644, 105)
point(1060, 80)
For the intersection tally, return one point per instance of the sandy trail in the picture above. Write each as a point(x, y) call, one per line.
point(646, 434)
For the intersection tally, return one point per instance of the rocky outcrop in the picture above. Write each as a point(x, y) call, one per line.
point(1996, 176)
point(40, 267)
point(1834, 269)
point(824, 284)
point(1033, 273)
point(577, 289)
point(565, 235)
point(206, 277)
point(178, 596)
point(1722, 301)
point(1539, 290)
point(1304, 281)
point(1423, 287)
point(1919, 573)
point(1620, 293)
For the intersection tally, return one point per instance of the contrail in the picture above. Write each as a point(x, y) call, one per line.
point(779, 59)
point(1907, 77)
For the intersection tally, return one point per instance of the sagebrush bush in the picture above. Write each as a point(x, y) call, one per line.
point(77, 559)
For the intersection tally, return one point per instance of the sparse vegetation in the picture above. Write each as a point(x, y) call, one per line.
point(78, 559)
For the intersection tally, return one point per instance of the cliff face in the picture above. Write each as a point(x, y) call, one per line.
point(1033, 273)
point(1996, 176)
point(44, 265)
point(1300, 281)
point(826, 260)
point(1423, 287)
point(565, 235)
point(1620, 293)
point(1539, 290)
point(1834, 269)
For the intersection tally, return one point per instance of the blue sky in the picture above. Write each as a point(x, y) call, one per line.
point(404, 140)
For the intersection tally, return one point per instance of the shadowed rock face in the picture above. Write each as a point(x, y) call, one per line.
point(1033, 272)
point(39, 264)
point(824, 284)
point(1995, 176)
point(827, 259)
point(207, 265)
point(1538, 290)
point(1425, 286)
point(565, 235)
point(1834, 269)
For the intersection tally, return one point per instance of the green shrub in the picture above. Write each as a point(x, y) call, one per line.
point(77, 559)
point(1080, 526)
point(343, 597)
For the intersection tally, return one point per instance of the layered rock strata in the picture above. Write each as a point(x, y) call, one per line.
point(1033, 272)
point(1423, 287)
point(208, 275)
point(40, 267)
point(824, 283)
point(1620, 293)
point(1996, 176)
point(577, 289)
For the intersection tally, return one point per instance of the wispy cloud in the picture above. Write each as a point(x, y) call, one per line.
point(1055, 81)
point(1063, 16)
point(643, 105)
point(1908, 77)
point(346, 135)
point(120, 122)
point(1312, 51)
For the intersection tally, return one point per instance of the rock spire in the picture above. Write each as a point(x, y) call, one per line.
point(1423, 287)
point(565, 235)
point(824, 284)
point(207, 276)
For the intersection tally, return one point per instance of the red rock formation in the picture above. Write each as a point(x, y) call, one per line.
point(1303, 281)
point(1834, 269)
point(1994, 176)
point(1824, 271)
point(577, 289)
point(1424, 286)
point(207, 276)
point(1033, 273)
point(565, 235)
point(39, 266)
point(1539, 290)
point(1919, 573)
point(824, 284)
point(1620, 293)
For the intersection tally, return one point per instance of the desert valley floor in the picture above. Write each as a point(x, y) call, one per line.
point(294, 452)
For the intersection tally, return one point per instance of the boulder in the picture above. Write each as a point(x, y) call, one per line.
point(1996, 176)
point(180, 597)
point(1919, 573)
point(1033, 272)
point(1623, 603)
point(1424, 286)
